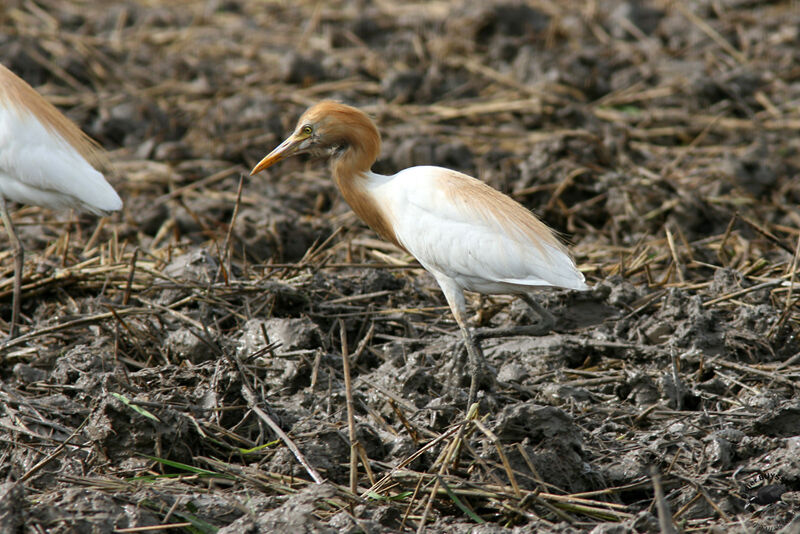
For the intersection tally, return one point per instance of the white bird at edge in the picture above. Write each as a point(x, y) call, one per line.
point(468, 235)
point(45, 160)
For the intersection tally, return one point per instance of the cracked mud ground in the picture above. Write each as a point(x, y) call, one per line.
point(173, 355)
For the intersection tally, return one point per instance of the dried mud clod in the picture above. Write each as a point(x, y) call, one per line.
point(181, 362)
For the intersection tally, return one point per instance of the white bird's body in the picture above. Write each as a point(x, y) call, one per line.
point(45, 160)
point(468, 235)
point(445, 220)
point(40, 169)
point(44, 157)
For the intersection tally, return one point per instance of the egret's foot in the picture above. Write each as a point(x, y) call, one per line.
point(462, 368)
point(543, 326)
point(484, 375)
point(480, 373)
point(546, 319)
point(513, 331)
point(458, 367)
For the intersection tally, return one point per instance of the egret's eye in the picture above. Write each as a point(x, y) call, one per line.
point(307, 129)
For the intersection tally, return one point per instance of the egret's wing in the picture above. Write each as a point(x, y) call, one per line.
point(44, 150)
point(464, 229)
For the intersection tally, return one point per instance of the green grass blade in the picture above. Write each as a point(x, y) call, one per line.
point(186, 467)
point(136, 408)
point(464, 508)
point(260, 447)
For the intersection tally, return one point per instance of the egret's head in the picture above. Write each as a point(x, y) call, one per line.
point(325, 126)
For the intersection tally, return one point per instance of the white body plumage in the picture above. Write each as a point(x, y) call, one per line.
point(462, 238)
point(39, 168)
point(45, 160)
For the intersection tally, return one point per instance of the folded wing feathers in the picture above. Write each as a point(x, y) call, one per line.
point(501, 212)
point(17, 95)
point(512, 220)
point(44, 149)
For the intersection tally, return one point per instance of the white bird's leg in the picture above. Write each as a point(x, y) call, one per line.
point(455, 299)
point(19, 261)
point(544, 326)
point(548, 321)
point(476, 363)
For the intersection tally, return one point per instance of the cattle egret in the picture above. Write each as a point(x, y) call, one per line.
point(45, 161)
point(468, 235)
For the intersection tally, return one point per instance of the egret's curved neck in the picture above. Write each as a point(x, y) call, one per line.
point(360, 147)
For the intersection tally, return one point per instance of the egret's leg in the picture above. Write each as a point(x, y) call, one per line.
point(19, 257)
point(547, 320)
point(543, 327)
point(455, 299)
point(477, 363)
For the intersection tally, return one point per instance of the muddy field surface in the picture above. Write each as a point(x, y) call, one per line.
point(181, 363)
